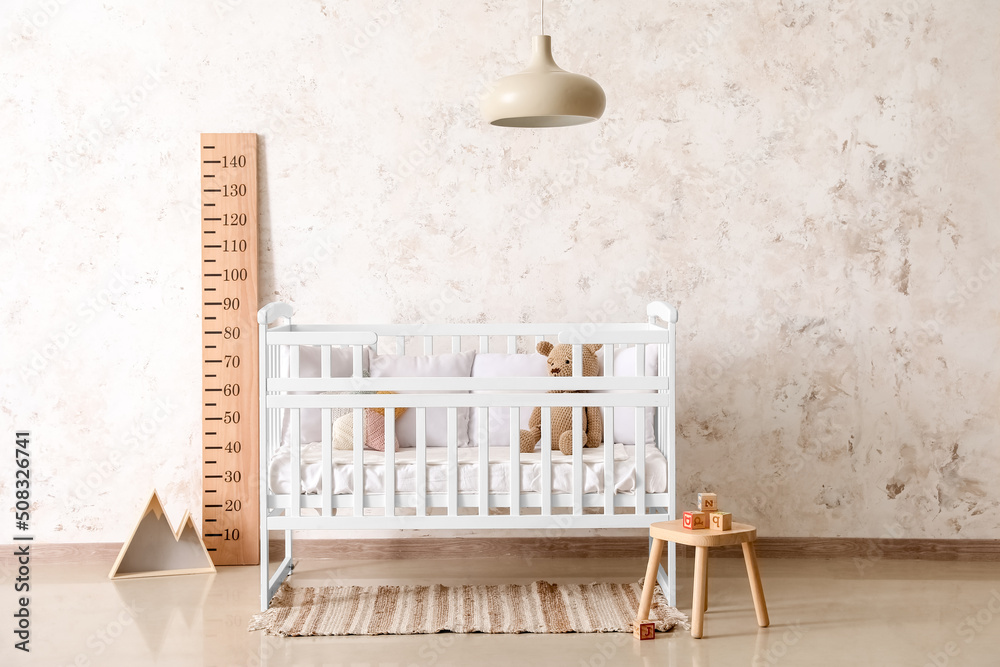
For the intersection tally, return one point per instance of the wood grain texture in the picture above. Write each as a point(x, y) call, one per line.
point(230, 522)
point(756, 587)
point(655, 554)
point(568, 547)
point(674, 531)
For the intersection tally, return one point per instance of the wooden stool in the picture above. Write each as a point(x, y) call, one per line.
point(701, 540)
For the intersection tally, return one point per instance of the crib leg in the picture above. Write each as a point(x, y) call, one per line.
point(265, 568)
point(269, 584)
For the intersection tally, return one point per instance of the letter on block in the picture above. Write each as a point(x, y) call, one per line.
point(707, 502)
point(644, 630)
point(695, 520)
point(720, 521)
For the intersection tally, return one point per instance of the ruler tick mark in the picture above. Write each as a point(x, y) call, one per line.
point(237, 153)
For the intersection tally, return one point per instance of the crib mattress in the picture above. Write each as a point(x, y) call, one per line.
point(311, 464)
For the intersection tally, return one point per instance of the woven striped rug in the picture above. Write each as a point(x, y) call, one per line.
point(540, 607)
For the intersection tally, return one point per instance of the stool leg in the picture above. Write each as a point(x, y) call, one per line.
point(756, 588)
point(706, 584)
point(655, 551)
point(700, 587)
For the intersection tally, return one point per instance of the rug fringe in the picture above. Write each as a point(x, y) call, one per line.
point(670, 615)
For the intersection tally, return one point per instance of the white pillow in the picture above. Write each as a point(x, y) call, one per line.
point(310, 365)
point(624, 431)
point(495, 365)
point(458, 364)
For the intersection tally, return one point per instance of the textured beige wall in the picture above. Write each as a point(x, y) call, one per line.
point(814, 184)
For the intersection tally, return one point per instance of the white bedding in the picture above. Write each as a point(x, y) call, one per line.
point(311, 465)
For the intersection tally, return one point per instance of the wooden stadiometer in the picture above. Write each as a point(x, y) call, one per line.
point(229, 348)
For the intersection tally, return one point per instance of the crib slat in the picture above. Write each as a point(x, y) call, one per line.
point(640, 458)
point(671, 423)
point(390, 462)
point(357, 370)
point(514, 477)
point(428, 345)
point(577, 363)
point(511, 344)
point(359, 465)
point(325, 438)
point(546, 445)
point(577, 460)
point(274, 422)
point(609, 437)
point(327, 445)
point(296, 485)
point(609, 463)
point(484, 344)
point(452, 461)
point(456, 344)
point(421, 461)
point(484, 461)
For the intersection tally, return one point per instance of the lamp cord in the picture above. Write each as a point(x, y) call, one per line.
point(542, 16)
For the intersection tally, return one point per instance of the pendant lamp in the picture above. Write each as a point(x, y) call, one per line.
point(544, 94)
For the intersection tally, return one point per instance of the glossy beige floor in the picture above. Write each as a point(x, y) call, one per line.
point(835, 612)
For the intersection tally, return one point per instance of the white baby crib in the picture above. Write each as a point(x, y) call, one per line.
point(458, 471)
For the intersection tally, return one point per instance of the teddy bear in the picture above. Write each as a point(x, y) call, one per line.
point(560, 362)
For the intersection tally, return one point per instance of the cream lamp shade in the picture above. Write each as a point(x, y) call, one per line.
point(543, 95)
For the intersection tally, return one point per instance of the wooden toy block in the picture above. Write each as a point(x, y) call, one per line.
point(720, 521)
point(707, 502)
point(695, 520)
point(644, 629)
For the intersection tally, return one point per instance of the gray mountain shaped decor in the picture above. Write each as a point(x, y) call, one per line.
point(156, 549)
